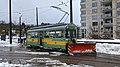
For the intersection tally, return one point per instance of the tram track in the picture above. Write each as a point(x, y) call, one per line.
point(99, 58)
point(92, 60)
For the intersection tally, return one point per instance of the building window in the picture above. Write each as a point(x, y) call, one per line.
point(118, 5)
point(83, 24)
point(83, 12)
point(83, 18)
point(83, 6)
point(101, 29)
point(83, 33)
point(94, 17)
point(101, 16)
point(95, 29)
point(118, 13)
point(83, 1)
point(101, 22)
point(94, 4)
point(94, 23)
point(94, 10)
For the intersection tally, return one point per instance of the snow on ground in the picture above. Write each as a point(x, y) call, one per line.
point(54, 63)
point(6, 43)
point(6, 64)
point(37, 53)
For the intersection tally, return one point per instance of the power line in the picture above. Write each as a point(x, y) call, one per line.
point(16, 5)
point(3, 12)
point(44, 11)
point(34, 9)
point(63, 3)
point(44, 7)
point(27, 10)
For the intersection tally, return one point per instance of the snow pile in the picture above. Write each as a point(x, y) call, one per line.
point(105, 46)
point(56, 53)
point(6, 64)
point(6, 43)
point(37, 53)
point(108, 48)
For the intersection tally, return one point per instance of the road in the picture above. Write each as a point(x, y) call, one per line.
point(18, 56)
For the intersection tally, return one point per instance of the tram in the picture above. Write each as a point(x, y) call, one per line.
point(61, 37)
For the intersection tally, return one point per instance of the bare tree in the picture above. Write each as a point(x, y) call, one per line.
point(92, 33)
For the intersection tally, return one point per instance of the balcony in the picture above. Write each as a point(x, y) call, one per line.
point(107, 2)
point(107, 16)
point(108, 24)
point(106, 9)
point(108, 31)
point(118, 28)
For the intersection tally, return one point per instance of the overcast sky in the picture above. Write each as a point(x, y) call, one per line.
point(46, 13)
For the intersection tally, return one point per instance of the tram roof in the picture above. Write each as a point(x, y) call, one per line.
point(48, 27)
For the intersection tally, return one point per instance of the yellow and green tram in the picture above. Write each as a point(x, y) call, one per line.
point(51, 36)
point(56, 36)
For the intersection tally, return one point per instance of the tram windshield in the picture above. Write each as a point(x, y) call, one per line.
point(70, 33)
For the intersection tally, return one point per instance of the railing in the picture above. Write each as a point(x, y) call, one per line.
point(108, 24)
point(107, 1)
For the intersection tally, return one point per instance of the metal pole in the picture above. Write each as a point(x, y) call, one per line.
point(37, 16)
point(71, 15)
point(20, 27)
point(10, 22)
point(71, 20)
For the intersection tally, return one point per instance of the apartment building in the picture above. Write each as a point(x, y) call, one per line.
point(100, 19)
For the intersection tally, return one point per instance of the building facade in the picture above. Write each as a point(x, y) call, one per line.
point(100, 19)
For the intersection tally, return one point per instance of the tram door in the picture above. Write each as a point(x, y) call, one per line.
point(40, 38)
point(40, 41)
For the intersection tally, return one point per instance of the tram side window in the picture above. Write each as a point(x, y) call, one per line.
point(56, 34)
point(32, 35)
point(46, 35)
point(59, 34)
point(52, 34)
point(40, 34)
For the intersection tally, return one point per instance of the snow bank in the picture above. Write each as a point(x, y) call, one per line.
point(6, 43)
point(56, 53)
point(108, 48)
point(105, 46)
point(37, 53)
point(6, 64)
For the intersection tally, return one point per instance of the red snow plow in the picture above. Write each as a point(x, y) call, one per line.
point(82, 48)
